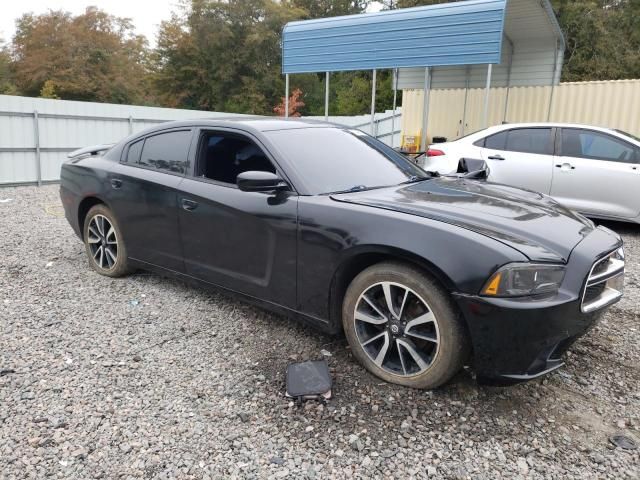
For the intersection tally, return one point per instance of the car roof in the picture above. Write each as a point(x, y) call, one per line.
point(547, 124)
point(246, 122)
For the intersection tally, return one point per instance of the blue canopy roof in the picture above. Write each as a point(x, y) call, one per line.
point(460, 33)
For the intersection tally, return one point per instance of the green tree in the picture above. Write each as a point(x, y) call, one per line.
point(330, 8)
point(94, 56)
point(6, 76)
point(223, 55)
point(49, 90)
point(602, 37)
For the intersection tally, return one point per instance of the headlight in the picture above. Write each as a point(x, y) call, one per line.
point(522, 279)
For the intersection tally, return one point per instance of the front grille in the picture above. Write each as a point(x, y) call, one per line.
point(593, 292)
point(600, 267)
point(605, 282)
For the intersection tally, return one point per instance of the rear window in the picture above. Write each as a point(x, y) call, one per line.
point(167, 151)
point(133, 154)
point(497, 141)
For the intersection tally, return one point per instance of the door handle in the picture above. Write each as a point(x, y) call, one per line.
point(189, 205)
point(496, 157)
point(565, 166)
point(116, 183)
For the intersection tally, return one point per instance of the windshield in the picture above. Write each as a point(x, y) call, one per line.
point(331, 160)
point(637, 139)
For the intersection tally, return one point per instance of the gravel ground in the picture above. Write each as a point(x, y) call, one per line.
point(147, 377)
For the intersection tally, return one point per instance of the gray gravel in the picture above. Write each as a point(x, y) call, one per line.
point(147, 377)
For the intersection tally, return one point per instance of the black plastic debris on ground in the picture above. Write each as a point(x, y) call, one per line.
point(309, 381)
point(623, 442)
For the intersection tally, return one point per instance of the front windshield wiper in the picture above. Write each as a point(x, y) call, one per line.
point(355, 188)
point(416, 178)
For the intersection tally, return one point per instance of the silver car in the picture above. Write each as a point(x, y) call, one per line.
point(593, 170)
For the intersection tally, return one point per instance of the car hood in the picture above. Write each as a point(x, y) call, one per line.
point(530, 222)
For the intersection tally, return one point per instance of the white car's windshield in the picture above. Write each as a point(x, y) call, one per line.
point(637, 139)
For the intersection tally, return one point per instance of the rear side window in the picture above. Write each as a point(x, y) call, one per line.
point(596, 146)
point(525, 140)
point(530, 140)
point(497, 141)
point(167, 151)
point(133, 154)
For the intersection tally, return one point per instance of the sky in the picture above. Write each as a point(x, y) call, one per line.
point(146, 19)
point(146, 15)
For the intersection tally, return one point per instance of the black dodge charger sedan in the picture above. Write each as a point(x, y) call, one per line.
point(424, 274)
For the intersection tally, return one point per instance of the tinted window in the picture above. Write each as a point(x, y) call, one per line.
point(529, 140)
point(224, 156)
point(497, 141)
point(334, 159)
point(526, 140)
point(133, 154)
point(167, 151)
point(596, 146)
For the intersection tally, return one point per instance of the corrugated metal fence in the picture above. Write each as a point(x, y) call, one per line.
point(36, 134)
point(613, 104)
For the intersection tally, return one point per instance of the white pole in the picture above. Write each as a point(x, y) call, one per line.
point(286, 96)
point(553, 81)
point(466, 96)
point(425, 109)
point(326, 98)
point(486, 97)
point(506, 100)
point(373, 101)
point(395, 98)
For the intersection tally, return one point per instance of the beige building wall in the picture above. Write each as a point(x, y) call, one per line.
point(614, 104)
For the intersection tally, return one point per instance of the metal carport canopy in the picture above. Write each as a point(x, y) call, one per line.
point(460, 33)
point(450, 38)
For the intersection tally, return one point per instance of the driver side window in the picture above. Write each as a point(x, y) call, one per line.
point(222, 156)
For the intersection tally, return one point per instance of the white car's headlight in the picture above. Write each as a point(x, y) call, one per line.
point(523, 279)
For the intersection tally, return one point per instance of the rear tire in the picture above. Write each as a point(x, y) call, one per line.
point(106, 251)
point(403, 326)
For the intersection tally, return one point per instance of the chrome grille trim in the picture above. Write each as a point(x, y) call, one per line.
point(606, 270)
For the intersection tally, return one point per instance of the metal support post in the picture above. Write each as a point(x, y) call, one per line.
point(286, 95)
point(373, 101)
point(36, 138)
point(425, 108)
point(486, 97)
point(326, 98)
point(395, 101)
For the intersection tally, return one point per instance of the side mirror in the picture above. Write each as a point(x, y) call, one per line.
point(255, 181)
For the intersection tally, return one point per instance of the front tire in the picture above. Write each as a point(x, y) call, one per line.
point(403, 327)
point(103, 242)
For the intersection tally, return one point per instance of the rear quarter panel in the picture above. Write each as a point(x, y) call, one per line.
point(80, 179)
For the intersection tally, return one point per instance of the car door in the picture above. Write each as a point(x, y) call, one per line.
point(521, 157)
point(244, 241)
point(144, 196)
point(597, 173)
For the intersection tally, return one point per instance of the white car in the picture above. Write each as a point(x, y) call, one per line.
point(593, 170)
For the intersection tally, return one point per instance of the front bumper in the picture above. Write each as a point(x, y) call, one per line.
point(519, 339)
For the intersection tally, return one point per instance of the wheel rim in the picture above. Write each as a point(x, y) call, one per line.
point(103, 242)
point(396, 329)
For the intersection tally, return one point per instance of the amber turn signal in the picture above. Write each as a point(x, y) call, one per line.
point(493, 284)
